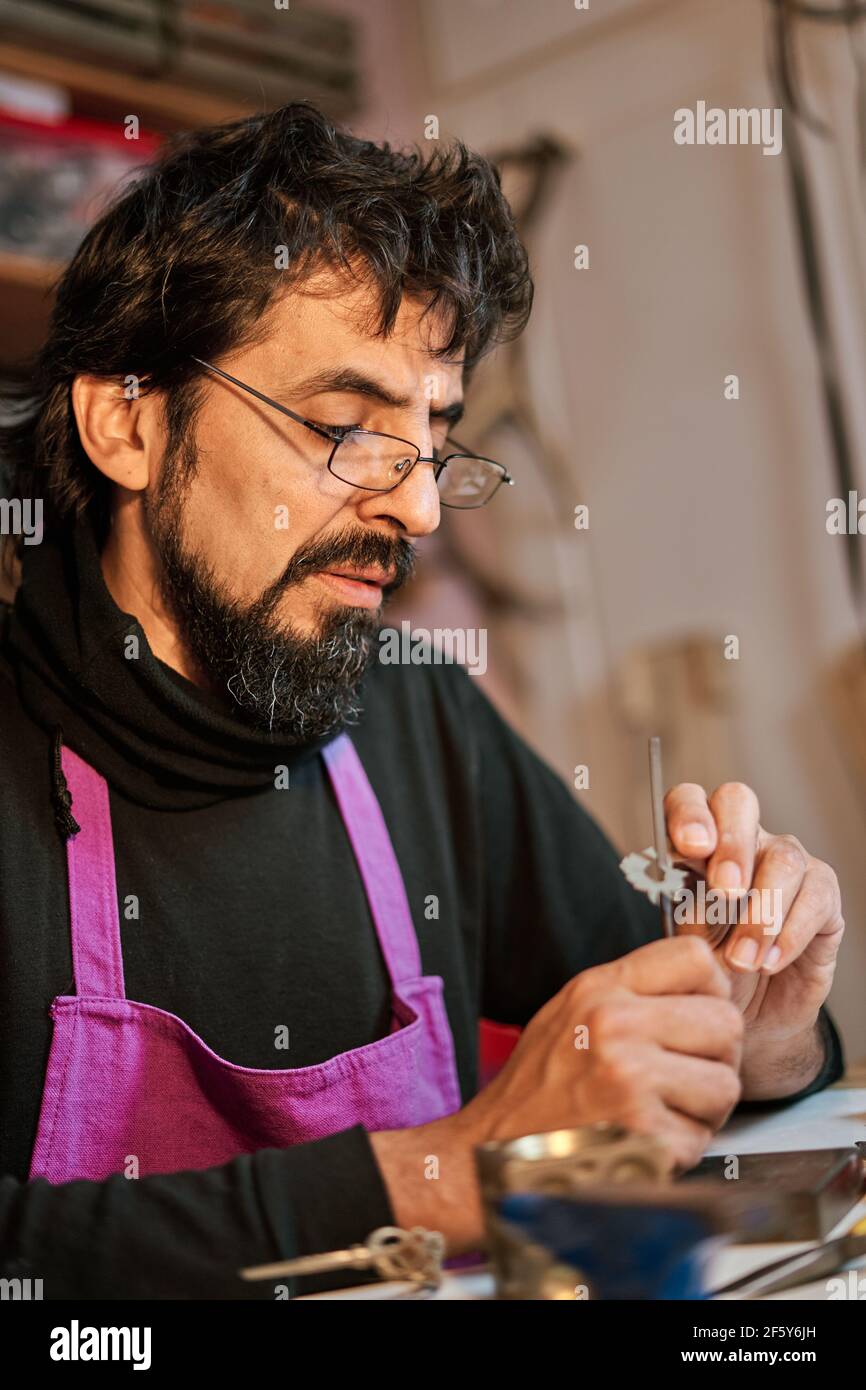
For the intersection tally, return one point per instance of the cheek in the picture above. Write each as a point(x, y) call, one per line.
point(252, 505)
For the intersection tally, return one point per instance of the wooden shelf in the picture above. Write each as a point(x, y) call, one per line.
point(28, 271)
point(160, 105)
point(97, 93)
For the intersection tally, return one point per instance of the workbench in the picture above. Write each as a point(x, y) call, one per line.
point(834, 1118)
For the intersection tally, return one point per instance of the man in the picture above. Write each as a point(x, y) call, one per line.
point(256, 887)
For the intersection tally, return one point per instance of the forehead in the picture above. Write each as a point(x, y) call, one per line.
point(331, 318)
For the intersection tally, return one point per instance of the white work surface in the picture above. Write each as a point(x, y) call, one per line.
point(832, 1119)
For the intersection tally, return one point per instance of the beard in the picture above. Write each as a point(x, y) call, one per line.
point(300, 687)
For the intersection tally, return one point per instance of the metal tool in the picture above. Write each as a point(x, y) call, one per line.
point(389, 1251)
point(815, 1263)
point(653, 872)
point(811, 1191)
point(660, 834)
point(843, 1180)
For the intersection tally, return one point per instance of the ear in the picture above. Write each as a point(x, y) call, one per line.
point(121, 431)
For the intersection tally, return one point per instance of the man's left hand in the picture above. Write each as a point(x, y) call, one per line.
point(783, 945)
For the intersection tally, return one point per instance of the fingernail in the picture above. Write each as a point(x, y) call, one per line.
point(745, 953)
point(728, 874)
point(695, 834)
point(774, 955)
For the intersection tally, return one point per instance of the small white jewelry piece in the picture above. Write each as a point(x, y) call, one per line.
point(643, 874)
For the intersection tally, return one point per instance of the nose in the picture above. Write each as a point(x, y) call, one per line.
point(413, 504)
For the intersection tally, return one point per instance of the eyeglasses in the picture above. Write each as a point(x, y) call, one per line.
point(377, 462)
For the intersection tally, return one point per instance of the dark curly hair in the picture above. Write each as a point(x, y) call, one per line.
point(183, 263)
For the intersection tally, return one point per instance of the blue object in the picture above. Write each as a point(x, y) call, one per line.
point(621, 1250)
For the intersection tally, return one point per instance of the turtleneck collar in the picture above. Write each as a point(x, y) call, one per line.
point(154, 736)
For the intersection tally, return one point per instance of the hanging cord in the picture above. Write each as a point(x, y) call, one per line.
point(61, 796)
point(784, 81)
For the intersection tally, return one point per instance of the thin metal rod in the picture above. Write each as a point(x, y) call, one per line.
point(660, 835)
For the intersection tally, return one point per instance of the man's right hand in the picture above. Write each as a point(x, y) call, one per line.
point(651, 1041)
point(661, 1056)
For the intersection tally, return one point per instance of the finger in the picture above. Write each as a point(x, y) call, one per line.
point(736, 812)
point(779, 874)
point(675, 965)
point(703, 1090)
point(684, 1139)
point(815, 920)
point(697, 1027)
point(690, 822)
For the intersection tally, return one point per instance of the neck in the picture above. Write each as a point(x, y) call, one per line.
point(130, 568)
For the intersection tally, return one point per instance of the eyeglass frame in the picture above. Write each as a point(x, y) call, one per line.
point(337, 434)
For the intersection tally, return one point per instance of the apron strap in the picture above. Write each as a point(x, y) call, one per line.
point(96, 956)
point(377, 862)
point(95, 920)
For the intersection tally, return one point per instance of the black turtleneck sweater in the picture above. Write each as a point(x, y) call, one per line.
point(252, 915)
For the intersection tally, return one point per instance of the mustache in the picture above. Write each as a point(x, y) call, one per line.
point(353, 547)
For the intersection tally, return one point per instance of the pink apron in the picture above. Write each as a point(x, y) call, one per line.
point(127, 1080)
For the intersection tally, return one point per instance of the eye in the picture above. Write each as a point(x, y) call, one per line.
point(334, 429)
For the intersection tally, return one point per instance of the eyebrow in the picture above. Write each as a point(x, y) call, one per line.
point(357, 383)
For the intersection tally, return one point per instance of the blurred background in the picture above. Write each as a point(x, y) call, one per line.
point(685, 403)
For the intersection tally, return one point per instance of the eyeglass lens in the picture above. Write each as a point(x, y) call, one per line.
point(377, 462)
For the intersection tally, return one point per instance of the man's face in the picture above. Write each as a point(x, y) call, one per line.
point(275, 570)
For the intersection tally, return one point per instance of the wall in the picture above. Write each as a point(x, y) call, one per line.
point(706, 514)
